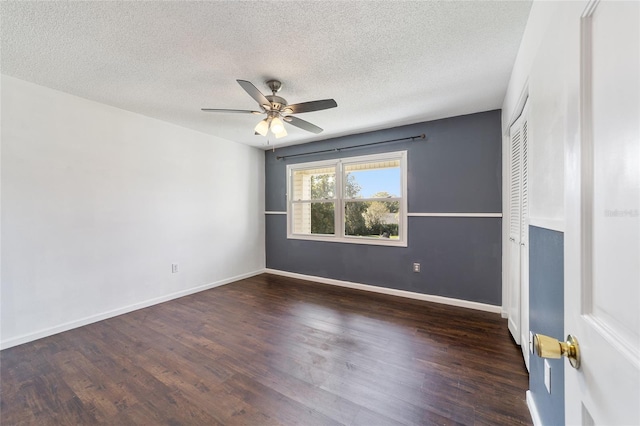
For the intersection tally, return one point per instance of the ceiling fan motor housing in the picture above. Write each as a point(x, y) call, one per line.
point(274, 85)
point(277, 102)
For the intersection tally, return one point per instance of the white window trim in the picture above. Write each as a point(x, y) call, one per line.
point(339, 236)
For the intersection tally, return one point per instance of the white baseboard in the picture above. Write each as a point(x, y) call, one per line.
point(533, 410)
point(25, 338)
point(392, 292)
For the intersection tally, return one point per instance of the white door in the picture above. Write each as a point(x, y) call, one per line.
point(513, 312)
point(518, 279)
point(602, 240)
point(524, 240)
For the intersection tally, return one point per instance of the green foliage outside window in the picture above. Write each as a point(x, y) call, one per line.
point(362, 218)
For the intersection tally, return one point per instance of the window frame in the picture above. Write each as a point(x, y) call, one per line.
point(340, 200)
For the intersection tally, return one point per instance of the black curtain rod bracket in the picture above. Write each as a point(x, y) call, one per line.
point(412, 138)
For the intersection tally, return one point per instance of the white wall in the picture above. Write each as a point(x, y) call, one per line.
point(544, 71)
point(547, 70)
point(540, 73)
point(98, 202)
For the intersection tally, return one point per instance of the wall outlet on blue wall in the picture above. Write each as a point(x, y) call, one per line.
point(547, 375)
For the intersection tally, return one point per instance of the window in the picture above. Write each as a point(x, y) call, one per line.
point(354, 200)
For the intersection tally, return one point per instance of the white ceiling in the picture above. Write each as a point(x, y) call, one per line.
point(385, 63)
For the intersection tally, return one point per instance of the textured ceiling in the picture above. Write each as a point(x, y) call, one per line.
point(385, 63)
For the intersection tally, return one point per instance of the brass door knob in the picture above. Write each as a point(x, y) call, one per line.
point(548, 347)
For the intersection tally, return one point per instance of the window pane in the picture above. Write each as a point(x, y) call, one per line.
point(367, 207)
point(314, 184)
point(373, 219)
point(373, 180)
point(314, 218)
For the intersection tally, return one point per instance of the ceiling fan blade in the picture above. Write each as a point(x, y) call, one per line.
point(304, 125)
point(310, 106)
point(240, 111)
point(254, 92)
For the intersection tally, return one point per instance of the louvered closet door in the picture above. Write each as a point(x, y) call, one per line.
point(518, 252)
point(524, 238)
point(515, 218)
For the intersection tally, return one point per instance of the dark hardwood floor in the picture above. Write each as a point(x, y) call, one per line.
point(272, 350)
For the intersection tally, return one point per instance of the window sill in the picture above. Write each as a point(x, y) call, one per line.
point(350, 240)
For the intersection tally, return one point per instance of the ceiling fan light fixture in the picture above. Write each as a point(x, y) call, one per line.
point(281, 134)
point(277, 126)
point(262, 127)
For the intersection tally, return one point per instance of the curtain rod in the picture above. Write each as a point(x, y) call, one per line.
point(422, 136)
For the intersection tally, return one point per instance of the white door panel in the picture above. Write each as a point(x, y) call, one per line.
point(514, 289)
point(602, 241)
point(524, 240)
point(515, 224)
point(518, 249)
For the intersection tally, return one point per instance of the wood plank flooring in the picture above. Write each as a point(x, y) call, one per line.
point(270, 350)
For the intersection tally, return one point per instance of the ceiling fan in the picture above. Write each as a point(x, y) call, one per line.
point(278, 110)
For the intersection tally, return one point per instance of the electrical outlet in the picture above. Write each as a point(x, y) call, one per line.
point(547, 375)
point(416, 267)
point(174, 268)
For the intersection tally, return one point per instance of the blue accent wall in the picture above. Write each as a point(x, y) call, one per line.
point(457, 169)
point(546, 316)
